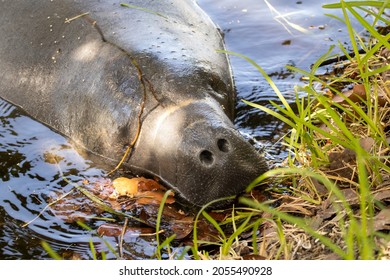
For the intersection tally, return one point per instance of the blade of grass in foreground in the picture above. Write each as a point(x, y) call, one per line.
point(269, 80)
point(53, 254)
point(158, 223)
point(297, 221)
point(195, 246)
point(377, 4)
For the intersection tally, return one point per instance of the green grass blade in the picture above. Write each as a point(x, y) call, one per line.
point(379, 16)
point(215, 224)
point(93, 250)
point(377, 4)
point(297, 221)
point(50, 251)
point(165, 243)
point(271, 112)
point(265, 75)
point(158, 222)
point(369, 27)
point(256, 226)
point(195, 246)
point(243, 227)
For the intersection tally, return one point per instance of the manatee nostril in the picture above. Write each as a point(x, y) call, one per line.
point(206, 157)
point(223, 145)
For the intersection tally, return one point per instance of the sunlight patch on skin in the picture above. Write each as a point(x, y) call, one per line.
point(87, 52)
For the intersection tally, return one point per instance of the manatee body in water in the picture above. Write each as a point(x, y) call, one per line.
point(109, 76)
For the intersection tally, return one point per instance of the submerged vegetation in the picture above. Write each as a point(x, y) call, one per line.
point(331, 197)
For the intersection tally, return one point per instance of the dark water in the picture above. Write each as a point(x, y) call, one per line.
point(28, 179)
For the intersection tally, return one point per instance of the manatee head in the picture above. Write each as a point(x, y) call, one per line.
point(194, 148)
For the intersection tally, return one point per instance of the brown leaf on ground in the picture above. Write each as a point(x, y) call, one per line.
point(321, 189)
point(130, 193)
point(342, 164)
point(149, 185)
point(206, 232)
point(183, 227)
point(382, 195)
point(173, 220)
point(351, 196)
point(333, 205)
point(73, 208)
point(367, 143)
point(253, 257)
point(132, 186)
point(218, 216)
point(153, 197)
point(315, 222)
point(257, 195)
point(382, 220)
point(356, 95)
point(125, 186)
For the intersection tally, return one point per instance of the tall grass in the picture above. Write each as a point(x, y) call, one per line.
point(309, 155)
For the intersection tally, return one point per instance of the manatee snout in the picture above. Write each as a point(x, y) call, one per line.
point(202, 156)
point(214, 161)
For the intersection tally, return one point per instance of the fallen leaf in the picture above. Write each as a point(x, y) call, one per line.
point(206, 231)
point(218, 216)
point(153, 197)
point(253, 257)
point(382, 220)
point(182, 228)
point(356, 95)
point(351, 196)
point(367, 143)
point(72, 208)
point(359, 92)
point(321, 189)
point(149, 185)
point(382, 195)
point(342, 164)
point(333, 205)
point(126, 186)
point(140, 187)
point(382, 96)
point(315, 222)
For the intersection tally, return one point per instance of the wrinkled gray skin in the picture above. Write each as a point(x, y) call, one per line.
point(83, 79)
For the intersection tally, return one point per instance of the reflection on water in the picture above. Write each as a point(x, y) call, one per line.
point(28, 179)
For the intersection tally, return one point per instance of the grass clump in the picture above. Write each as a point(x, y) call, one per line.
point(337, 171)
point(334, 203)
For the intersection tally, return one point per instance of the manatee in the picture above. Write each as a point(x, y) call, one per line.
point(143, 77)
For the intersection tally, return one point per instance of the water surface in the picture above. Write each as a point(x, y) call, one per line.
point(274, 34)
